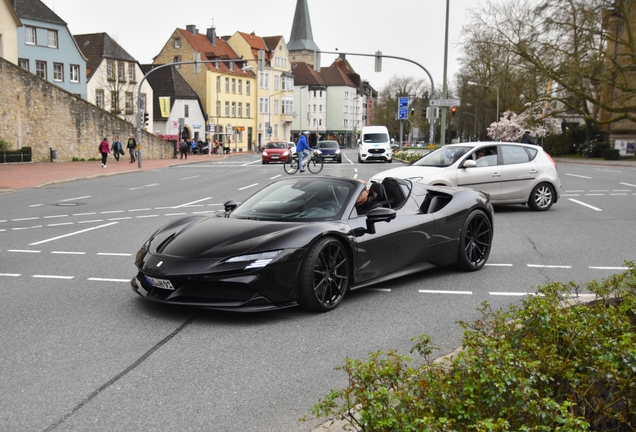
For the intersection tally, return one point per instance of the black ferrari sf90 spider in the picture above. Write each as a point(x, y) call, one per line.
point(302, 241)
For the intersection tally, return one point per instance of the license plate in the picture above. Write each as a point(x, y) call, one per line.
point(275, 156)
point(160, 283)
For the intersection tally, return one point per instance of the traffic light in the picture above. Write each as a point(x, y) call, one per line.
point(453, 110)
point(412, 111)
point(145, 122)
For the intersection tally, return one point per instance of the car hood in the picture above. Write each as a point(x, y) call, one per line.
point(214, 237)
point(410, 171)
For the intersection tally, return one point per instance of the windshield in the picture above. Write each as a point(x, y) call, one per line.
point(375, 138)
point(328, 144)
point(276, 145)
point(295, 200)
point(443, 156)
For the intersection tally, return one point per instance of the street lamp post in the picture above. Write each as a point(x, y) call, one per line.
point(497, 90)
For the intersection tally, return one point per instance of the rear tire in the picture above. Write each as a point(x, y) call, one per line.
point(474, 242)
point(541, 197)
point(315, 165)
point(324, 276)
point(291, 166)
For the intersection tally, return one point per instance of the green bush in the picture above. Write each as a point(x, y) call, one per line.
point(558, 145)
point(592, 149)
point(611, 154)
point(535, 367)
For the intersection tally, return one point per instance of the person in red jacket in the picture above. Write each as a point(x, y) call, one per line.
point(104, 149)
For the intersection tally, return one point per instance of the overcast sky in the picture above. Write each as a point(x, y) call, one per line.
point(405, 28)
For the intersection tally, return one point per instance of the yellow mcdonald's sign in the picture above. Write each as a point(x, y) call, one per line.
point(164, 104)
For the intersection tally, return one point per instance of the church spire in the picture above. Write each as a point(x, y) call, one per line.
point(301, 38)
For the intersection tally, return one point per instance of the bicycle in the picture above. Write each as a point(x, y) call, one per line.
point(313, 163)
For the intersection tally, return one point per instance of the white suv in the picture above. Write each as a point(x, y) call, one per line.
point(374, 144)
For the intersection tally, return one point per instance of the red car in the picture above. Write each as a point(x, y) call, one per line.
point(275, 151)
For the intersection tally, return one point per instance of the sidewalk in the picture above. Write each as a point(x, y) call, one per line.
point(28, 175)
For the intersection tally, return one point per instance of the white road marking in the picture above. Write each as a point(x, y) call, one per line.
point(606, 170)
point(91, 221)
point(498, 265)
point(190, 203)
point(174, 214)
point(618, 194)
point(599, 190)
point(10, 274)
point(516, 294)
point(112, 211)
point(608, 268)
point(73, 233)
point(68, 253)
point(446, 292)
point(247, 187)
point(138, 210)
point(36, 205)
point(120, 218)
point(55, 216)
point(580, 176)
point(143, 187)
point(75, 199)
point(188, 178)
point(24, 251)
point(146, 216)
point(378, 289)
point(61, 223)
point(113, 254)
point(84, 214)
point(549, 266)
point(53, 277)
point(24, 219)
point(586, 205)
point(575, 191)
point(108, 280)
point(250, 163)
point(204, 212)
point(628, 184)
point(276, 176)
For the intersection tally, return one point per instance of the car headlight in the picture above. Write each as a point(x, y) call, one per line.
point(338, 151)
point(286, 153)
point(318, 152)
point(414, 179)
point(256, 260)
point(264, 153)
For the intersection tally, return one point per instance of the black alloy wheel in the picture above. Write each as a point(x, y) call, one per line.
point(542, 197)
point(475, 242)
point(324, 276)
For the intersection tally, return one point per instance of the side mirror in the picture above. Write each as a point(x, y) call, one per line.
point(469, 164)
point(379, 214)
point(230, 206)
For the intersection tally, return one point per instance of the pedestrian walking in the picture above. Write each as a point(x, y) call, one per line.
point(183, 149)
point(192, 146)
point(117, 149)
point(526, 138)
point(104, 149)
point(132, 147)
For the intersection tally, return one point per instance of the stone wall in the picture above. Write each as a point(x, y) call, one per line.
point(35, 113)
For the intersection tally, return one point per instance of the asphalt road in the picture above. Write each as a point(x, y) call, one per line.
point(81, 352)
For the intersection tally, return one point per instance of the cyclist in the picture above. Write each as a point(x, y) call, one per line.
point(302, 149)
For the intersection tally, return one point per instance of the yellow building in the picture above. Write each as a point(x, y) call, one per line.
point(9, 23)
point(226, 86)
point(274, 99)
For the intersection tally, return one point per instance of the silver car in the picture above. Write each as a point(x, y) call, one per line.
point(510, 173)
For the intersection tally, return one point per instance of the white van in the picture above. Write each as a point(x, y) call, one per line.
point(374, 144)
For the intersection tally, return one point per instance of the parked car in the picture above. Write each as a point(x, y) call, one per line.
point(275, 151)
point(510, 173)
point(301, 241)
point(329, 151)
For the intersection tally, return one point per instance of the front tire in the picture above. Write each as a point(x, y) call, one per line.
point(475, 242)
point(315, 165)
point(324, 276)
point(542, 197)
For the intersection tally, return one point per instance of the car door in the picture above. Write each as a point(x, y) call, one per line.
point(397, 244)
point(519, 172)
point(486, 176)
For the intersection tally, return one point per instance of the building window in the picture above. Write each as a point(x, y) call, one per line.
point(110, 72)
point(276, 130)
point(40, 69)
point(346, 123)
point(233, 85)
point(227, 85)
point(131, 72)
point(51, 38)
point(248, 111)
point(176, 59)
point(186, 110)
point(114, 100)
point(276, 106)
point(177, 42)
point(75, 74)
point(248, 87)
point(240, 86)
point(29, 35)
point(276, 82)
point(218, 108)
point(99, 98)
point(264, 81)
point(218, 84)
point(129, 102)
point(346, 95)
point(227, 109)
point(121, 68)
point(233, 109)
point(240, 109)
point(262, 106)
point(24, 64)
point(58, 72)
